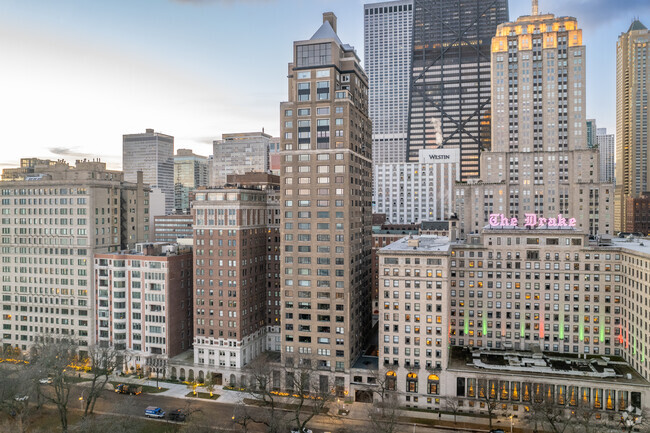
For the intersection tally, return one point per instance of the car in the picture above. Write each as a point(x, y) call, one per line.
point(154, 412)
point(497, 430)
point(45, 380)
point(176, 415)
point(305, 430)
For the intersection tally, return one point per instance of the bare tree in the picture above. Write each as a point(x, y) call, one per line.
point(102, 362)
point(384, 415)
point(54, 358)
point(453, 405)
point(16, 390)
point(548, 415)
point(384, 386)
point(306, 395)
point(489, 398)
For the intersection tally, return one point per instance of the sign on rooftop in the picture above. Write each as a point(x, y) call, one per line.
point(530, 220)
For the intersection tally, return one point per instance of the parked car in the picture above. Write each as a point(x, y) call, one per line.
point(45, 380)
point(497, 430)
point(176, 415)
point(305, 430)
point(154, 412)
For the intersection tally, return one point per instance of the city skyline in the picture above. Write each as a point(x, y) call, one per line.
point(74, 71)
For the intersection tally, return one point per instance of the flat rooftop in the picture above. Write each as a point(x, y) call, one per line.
point(425, 243)
point(597, 368)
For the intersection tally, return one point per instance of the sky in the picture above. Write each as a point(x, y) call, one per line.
point(77, 74)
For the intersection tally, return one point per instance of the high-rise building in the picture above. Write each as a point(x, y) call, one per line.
point(170, 228)
point(152, 153)
point(539, 163)
point(53, 223)
point(411, 192)
point(238, 154)
point(632, 123)
point(326, 207)
point(480, 319)
point(592, 131)
point(450, 77)
point(607, 148)
point(190, 172)
point(237, 268)
point(388, 28)
point(143, 301)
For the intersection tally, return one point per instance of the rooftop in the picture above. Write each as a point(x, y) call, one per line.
point(536, 363)
point(637, 25)
point(423, 243)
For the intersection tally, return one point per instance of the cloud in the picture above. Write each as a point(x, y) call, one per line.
point(596, 13)
point(68, 152)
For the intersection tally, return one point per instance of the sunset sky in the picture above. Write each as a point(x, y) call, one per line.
point(78, 74)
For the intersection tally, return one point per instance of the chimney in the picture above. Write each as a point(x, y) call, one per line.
point(535, 7)
point(331, 18)
point(139, 179)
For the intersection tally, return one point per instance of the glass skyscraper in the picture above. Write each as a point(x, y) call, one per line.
point(450, 77)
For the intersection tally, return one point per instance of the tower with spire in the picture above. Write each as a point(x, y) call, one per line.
point(539, 162)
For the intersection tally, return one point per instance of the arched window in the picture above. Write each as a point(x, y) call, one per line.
point(391, 381)
point(433, 384)
point(411, 382)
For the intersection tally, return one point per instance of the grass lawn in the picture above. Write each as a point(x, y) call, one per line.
point(47, 420)
point(146, 389)
point(205, 395)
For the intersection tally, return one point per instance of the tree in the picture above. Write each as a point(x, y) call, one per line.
point(192, 385)
point(306, 395)
point(384, 415)
point(53, 358)
point(102, 362)
point(309, 398)
point(210, 383)
point(633, 418)
point(16, 390)
point(453, 405)
point(384, 386)
point(548, 415)
point(489, 397)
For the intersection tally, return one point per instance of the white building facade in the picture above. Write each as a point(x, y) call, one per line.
point(410, 192)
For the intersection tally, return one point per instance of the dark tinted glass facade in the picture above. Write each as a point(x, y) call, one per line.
point(450, 82)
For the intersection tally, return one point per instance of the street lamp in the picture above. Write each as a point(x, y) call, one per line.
point(511, 422)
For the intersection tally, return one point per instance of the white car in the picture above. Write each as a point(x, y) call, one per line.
point(45, 380)
point(305, 430)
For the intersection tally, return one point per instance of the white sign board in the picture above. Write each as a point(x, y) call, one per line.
point(439, 156)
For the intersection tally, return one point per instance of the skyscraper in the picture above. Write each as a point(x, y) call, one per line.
point(190, 172)
point(607, 148)
point(388, 28)
point(236, 255)
point(632, 126)
point(450, 77)
point(238, 154)
point(152, 153)
point(326, 206)
point(539, 162)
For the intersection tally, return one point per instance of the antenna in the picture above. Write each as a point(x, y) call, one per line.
point(535, 7)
